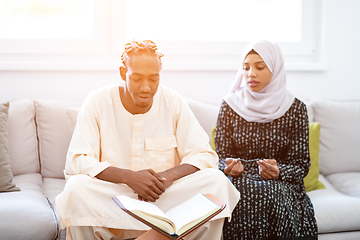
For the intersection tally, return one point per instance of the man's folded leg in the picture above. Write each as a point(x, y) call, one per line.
point(208, 231)
point(99, 233)
point(86, 201)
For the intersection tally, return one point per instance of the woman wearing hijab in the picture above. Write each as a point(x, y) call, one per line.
point(262, 140)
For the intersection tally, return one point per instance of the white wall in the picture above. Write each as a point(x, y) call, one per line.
point(340, 80)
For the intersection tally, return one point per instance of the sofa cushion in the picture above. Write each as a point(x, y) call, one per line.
point(353, 235)
point(6, 175)
point(72, 113)
point(26, 214)
point(340, 135)
point(53, 187)
point(347, 183)
point(23, 144)
point(54, 135)
point(205, 113)
point(311, 181)
point(334, 211)
point(310, 110)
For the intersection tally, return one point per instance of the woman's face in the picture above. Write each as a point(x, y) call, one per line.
point(257, 75)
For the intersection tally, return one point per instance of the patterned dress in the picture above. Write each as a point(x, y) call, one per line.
point(274, 209)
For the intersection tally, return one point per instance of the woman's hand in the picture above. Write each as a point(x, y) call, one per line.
point(234, 167)
point(268, 169)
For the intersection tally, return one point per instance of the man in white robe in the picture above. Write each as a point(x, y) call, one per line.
point(142, 140)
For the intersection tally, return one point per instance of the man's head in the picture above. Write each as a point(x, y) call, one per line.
point(141, 73)
point(139, 47)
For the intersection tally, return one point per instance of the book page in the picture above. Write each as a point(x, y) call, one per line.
point(134, 204)
point(148, 212)
point(193, 209)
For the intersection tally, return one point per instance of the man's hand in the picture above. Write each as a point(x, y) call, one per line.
point(146, 183)
point(234, 167)
point(268, 169)
point(168, 177)
point(175, 173)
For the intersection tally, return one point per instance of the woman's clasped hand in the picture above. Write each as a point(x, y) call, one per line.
point(268, 168)
point(234, 167)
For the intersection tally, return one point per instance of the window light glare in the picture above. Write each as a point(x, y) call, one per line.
point(46, 19)
point(210, 20)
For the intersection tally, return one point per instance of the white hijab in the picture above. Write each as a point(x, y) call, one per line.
point(273, 100)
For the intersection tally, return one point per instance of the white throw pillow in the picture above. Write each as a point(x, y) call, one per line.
point(339, 137)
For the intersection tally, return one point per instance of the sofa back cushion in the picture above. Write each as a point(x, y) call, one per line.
point(23, 144)
point(54, 133)
point(310, 111)
point(339, 137)
point(205, 113)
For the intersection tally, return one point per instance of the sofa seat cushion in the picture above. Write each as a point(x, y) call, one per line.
point(353, 235)
point(347, 183)
point(53, 187)
point(26, 214)
point(334, 211)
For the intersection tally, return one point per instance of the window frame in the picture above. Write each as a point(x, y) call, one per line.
point(103, 51)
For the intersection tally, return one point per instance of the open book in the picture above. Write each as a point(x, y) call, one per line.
point(179, 220)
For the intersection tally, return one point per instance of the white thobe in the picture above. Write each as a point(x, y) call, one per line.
point(108, 135)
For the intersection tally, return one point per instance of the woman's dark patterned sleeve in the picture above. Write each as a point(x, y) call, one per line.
point(223, 135)
point(298, 156)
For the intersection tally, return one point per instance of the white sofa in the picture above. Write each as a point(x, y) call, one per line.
point(337, 207)
point(39, 133)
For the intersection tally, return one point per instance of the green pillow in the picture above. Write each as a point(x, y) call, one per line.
point(311, 181)
point(212, 140)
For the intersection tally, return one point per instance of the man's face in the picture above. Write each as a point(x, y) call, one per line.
point(141, 82)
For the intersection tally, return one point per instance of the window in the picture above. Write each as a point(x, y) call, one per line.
point(212, 33)
point(54, 19)
point(198, 35)
point(51, 26)
point(215, 21)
